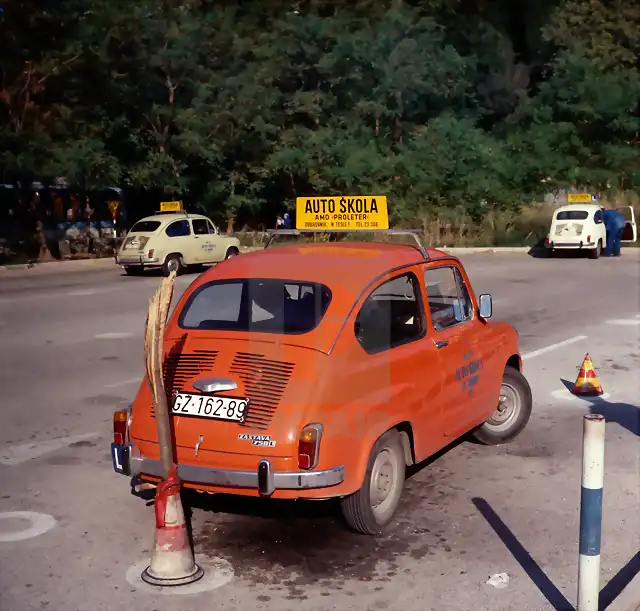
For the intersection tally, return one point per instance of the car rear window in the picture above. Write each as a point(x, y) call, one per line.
point(145, 227)
point(259, 305)
point(572, 215)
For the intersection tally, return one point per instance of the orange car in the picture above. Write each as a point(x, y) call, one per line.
point(317, 371)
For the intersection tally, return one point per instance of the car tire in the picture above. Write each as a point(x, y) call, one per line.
point(231, 252)
point(133, 270)
point(595, 253)
point(513, 412)
point(172, 263)
point(383, 478)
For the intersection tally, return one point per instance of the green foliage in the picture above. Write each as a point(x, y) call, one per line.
point(451, 108)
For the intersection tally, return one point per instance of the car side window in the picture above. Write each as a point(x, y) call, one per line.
point(391, 316)
point(210, 228)
point(200, 227)
point(448, 296)
point(178, 229)
point(597, 217)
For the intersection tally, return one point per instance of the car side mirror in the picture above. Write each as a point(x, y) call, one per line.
point(485, 309)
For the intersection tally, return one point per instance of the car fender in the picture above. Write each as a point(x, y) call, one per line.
point(377, 424)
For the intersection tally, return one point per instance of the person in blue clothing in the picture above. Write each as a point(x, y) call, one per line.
point(614, 224)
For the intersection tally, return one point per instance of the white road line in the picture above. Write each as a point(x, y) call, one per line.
point(551, 347)
point(14, 455)
point(124, 382)
point(114, 335)
point(40, 524)
point(622, 321)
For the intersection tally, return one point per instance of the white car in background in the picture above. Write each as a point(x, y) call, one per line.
point(581, 227)
point(173, 241)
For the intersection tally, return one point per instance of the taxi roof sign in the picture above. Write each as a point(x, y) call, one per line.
point(342, 213)
point(170, 206)
point(582, 198)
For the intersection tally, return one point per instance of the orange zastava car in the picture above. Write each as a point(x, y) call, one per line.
point(315, 371)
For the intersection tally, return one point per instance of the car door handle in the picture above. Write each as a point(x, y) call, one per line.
point(441, 344)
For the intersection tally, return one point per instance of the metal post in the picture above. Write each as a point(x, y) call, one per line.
point(591, 512)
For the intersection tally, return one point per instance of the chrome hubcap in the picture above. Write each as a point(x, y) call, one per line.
point(508, 408)
point(383, 481)
point(173, 265)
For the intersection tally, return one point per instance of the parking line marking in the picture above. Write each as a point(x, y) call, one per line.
point(15, 455)
point(622, 321)
point(551, 347)
point(124, 382)
point(40, 523)
point(114, 335)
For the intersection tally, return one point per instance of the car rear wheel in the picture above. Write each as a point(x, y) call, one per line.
point(513, 411)
point(370, 509)
point(595, 253)
point(232, 252)
point(173, 263)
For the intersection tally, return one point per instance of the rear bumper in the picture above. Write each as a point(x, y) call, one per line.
point(129, 260)
point(571, 244)
point(128, 461)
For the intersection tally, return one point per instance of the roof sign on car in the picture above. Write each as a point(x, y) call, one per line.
point(582, 198)
point(342, 213)
point(171, 206)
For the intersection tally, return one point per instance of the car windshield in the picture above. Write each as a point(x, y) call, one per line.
point(572, 215)
point(259, 305)
point(145, 227)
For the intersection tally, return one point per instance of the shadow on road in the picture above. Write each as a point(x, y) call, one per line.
point(626, 415)
point(522, 556)
point(608, 594)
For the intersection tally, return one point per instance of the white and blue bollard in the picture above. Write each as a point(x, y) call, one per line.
point(591, 512)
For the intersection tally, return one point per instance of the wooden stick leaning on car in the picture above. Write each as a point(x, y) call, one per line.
point(153, 350)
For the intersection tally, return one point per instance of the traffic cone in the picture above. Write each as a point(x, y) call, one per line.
point(587, 382)
point(172, 560)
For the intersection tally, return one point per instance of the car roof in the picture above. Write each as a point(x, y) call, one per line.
point(585, 207)
point(350, 266)
point(172, 216)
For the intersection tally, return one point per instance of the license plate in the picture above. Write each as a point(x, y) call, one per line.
point(120, 458)
point(204, 406)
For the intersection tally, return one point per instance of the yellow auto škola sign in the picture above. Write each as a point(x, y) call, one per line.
point(170, 206)
point(581, 198)
point(342, 213)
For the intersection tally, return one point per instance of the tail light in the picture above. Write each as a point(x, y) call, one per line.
point(546, 240)
point(150, 254)
point(120, 419)
point(588, 238)
point(309, 446)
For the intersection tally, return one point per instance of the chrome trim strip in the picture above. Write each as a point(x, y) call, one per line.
point(302, 480)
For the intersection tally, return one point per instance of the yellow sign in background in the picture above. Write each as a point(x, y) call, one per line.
point(342, 213)
point(580, 198)
point(170, 206)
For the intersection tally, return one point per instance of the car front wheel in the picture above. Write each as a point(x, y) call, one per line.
point(370, 509)
point(232, 252)
point(513, 411)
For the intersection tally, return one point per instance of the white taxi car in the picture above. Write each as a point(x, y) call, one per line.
point(581, 226)
point(173, 241)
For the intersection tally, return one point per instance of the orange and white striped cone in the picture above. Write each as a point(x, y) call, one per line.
point(587, 382)
point(172, 560)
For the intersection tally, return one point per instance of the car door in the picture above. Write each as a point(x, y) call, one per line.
point(630, 231)
point(456, 334)
point(218, 250)
point(180, 240)
point(399, 361)
point(203, 243)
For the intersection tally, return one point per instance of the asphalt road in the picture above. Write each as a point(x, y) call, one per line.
point(71, 353)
